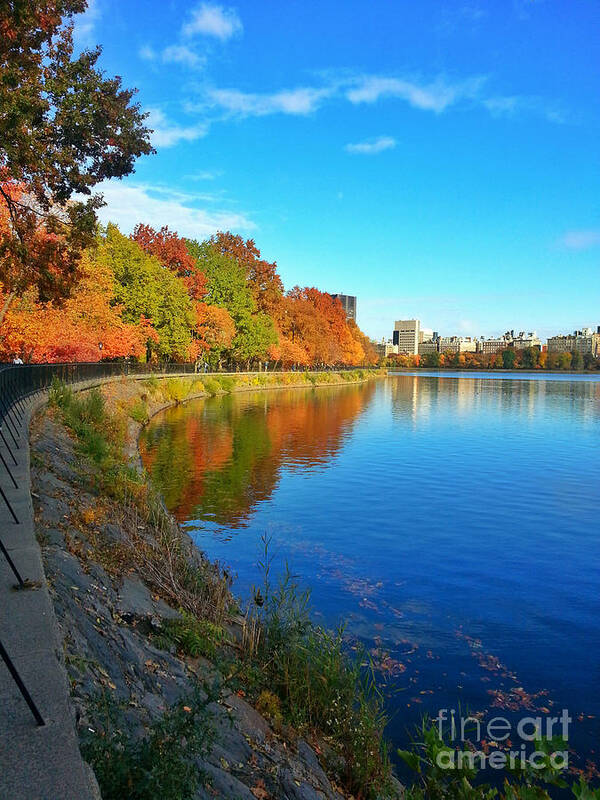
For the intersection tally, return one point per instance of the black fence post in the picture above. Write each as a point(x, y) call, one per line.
point(22, 688)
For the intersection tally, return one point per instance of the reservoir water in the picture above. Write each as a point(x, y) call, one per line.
point(452, 520)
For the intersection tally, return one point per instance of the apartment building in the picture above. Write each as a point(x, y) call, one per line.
point(584, 341)
point(525, 340)
point(457, 344)
point(430, 346)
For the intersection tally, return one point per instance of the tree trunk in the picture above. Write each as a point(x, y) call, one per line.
point(9, 298)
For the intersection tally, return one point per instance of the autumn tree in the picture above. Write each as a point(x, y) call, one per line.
point(261, 275)
point(64, 127)
point(172, 252)
point(74, 330)
point(145, 289)
point(214, 331)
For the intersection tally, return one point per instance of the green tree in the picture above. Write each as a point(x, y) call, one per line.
point(564, 360)
point(530, 357)
point(508, 358)
point(255, 334)
point(64, 127)
point(146, 290)
point(225, 280)
point(432, 359)
point(576, 360)
point(226, 286)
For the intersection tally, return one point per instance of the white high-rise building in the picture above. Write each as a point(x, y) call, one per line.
point(406, 336)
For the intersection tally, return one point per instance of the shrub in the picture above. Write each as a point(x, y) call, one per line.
point(212, 386)
point(177, 389)
point(160, 764)
point(227, 383)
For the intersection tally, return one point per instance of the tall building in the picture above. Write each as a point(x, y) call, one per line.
point(348, 302)
point(406, 336)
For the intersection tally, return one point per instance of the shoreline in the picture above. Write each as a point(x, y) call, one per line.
point(130, 613)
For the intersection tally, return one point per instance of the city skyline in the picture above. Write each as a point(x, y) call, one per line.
point(439, 161)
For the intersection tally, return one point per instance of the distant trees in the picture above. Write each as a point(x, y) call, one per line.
point(64, 127)
point(508, 358)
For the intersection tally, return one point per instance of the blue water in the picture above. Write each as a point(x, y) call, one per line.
point(451, 519)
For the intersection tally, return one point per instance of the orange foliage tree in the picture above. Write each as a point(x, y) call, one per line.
point(74, 331)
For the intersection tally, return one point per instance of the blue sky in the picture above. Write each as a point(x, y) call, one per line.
point(438, 160)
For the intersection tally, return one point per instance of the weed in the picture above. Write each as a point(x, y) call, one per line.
point(431, 754)
point(227, 383)
point(160, 764)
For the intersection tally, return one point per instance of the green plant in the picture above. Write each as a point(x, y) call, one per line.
point(227, 383)
point(176, 389)
point(152, 383)
point(139, 412)
point(451, 773)
point(161, 763)
point(320, 687)
point(212, 386)
point(192, 636)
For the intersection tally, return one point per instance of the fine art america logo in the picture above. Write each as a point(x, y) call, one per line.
point(497, 742)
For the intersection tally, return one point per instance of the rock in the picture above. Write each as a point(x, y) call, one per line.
point(134, 599)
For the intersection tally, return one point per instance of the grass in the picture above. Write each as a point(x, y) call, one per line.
point(318, 688)
point(161, 763)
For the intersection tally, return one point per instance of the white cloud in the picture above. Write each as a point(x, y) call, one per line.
point(372, 146)
point(213, 20)
point(436, 96)
point(147, 53)
point(508, 106)
point(205, 175)
point(300, 101)
point(180, 54)
point(127, 204)
point(173, 54)
point(167, 134)
point(85, 25)
point(581, 240)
